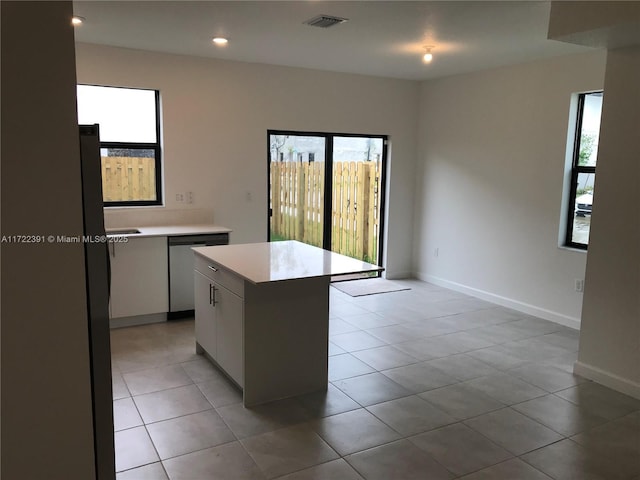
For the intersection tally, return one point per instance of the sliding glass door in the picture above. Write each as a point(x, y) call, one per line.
point(327, 190)
point(297, 190)
point(356, 192)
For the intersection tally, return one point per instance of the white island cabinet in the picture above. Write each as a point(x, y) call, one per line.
point(262, 314)
point(206, 316)
point(219, 313)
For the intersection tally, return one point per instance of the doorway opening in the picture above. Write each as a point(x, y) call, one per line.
point(328, 190)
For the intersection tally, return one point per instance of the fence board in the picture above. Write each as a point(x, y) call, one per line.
point(300, 203)
point(297, 203)
point(335, 216)
point(106, 172)
point(374, 207)
point(320, 201)
point(343, 212)
point(351, 207)
point(128, 178)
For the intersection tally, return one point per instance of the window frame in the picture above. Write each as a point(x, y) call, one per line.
point(155, 146)
point(576, 170)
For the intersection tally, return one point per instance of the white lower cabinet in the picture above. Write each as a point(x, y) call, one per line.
point(139, 277)
point(219, 321)
point(229, 312)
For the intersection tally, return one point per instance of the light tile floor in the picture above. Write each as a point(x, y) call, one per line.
point(425, 383)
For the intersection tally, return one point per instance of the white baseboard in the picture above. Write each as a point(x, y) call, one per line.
point(608, 379)
point(396, 275)
point(523, 307)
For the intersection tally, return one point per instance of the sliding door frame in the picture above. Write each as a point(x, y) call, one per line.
point(328, 183)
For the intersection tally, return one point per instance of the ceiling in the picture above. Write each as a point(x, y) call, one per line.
point(381, 38)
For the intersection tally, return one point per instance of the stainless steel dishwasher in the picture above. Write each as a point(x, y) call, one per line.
point(181, 264)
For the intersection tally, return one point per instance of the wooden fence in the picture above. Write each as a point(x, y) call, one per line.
point(297, 202)
point(128, 178)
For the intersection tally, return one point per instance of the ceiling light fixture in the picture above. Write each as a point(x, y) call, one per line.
point(428, 56)
point(220, 41)
point(77, 20)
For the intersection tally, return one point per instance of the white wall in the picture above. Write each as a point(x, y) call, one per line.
point(610, 334)
point(490, 181)
point(610, 24)
point(47, 429)
point(215, 119)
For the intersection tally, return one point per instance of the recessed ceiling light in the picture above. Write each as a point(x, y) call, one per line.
point(220, 41)
point(77, 20)
point(428, 56)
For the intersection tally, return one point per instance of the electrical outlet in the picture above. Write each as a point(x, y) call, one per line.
point(189, 197)
point(579, 285)
point(436, 252)
point(179, 197)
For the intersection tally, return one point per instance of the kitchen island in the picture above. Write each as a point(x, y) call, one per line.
point(262, 314)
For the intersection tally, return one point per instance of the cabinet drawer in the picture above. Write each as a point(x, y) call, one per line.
point(220, 275)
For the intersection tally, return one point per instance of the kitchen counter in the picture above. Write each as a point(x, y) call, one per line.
point(278, 261)
point(152, 270)
point(168, 230)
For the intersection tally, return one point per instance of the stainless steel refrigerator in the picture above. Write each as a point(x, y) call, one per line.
point(97, 271)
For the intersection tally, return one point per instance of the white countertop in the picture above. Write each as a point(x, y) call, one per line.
point(276, 261)
point(169, 230)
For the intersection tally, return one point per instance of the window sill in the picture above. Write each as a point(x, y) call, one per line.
point(132, 207)
point(572, 249)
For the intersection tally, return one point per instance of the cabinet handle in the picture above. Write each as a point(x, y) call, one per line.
point(214, 301)
point(210, 294)
point(213, 268)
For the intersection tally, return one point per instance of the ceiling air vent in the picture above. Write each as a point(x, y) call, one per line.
point(325, 21)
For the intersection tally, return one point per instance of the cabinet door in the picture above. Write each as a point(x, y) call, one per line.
point(229, 314)
point(205, 314)
point(139, 277)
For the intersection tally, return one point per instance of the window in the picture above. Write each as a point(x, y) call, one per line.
point(129, 122)
point(583, 169)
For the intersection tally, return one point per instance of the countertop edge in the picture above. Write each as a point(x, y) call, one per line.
point(169, 230)
point(202, 255)
point(197, 251)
